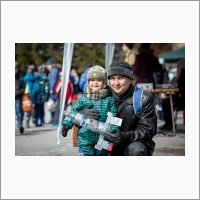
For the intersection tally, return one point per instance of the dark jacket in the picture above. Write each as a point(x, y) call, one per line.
point(19, 87)
point(53, 77)
point(145, 65)
point(141, 128)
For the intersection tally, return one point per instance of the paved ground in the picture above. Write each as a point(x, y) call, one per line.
point(42, 141)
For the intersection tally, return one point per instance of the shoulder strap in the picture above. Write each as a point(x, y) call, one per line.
point(137, 100)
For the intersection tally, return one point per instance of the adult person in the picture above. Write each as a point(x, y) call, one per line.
point(83, 79)
point(178, 98)
point(129, 53)
point(136, 132)
point(58, 89)
point(53, 77)
point(41, 93)
point(146, 64)
point(75, 81)
point(19, 90)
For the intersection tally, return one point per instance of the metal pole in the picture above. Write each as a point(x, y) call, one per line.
point(67, 60)
point(172, 111)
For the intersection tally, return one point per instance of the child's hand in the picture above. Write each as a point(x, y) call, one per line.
point(87, 111)
point(64, 131)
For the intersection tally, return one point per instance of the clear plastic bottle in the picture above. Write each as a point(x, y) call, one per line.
point(86, 122)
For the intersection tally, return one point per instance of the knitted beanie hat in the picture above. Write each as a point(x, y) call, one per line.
point(97, 72)
point(120, 68)
point(50, 61)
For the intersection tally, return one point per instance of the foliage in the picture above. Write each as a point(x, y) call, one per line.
point(84, 53)
point(37, 54)
point(88, 53)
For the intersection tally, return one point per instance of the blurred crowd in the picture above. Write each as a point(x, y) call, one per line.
point(39, 85)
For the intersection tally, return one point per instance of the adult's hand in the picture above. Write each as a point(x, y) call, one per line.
point(51, 91)
point(87, 111)
point(117, 138)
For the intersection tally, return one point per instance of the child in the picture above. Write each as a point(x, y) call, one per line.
point(29, 80)
point(97, 93)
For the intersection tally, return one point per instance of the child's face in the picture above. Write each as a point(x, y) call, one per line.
point(96, 84)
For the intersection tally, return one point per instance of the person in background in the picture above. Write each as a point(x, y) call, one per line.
point(83, 78)
point(36, 74)
point(69, 93)
point(41, 93)
point(96, 94)
point(75, 81)
point(19, 90)
point(53, 77)
point(130, 55)
point(29, 79)
point(146, 64)
point(178, 98)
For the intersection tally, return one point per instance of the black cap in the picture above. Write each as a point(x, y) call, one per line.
point(120, 68)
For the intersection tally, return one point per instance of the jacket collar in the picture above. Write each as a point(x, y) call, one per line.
point(127, 96)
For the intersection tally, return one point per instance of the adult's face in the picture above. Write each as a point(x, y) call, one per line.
point(49, 67)
point(124, 48)
point(119, 84)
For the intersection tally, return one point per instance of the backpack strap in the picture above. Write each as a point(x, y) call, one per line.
point(137, 100)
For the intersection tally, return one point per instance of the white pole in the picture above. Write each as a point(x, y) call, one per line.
point(66, 67)
point(109, 55)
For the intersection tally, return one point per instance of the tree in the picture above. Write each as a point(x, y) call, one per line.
point(88, 53)
point(37, 54)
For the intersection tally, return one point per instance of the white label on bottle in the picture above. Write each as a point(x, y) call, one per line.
point(115, 121)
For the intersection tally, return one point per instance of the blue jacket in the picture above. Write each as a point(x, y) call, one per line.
point(53, 77)
point(41, 88)
point(83, 80)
